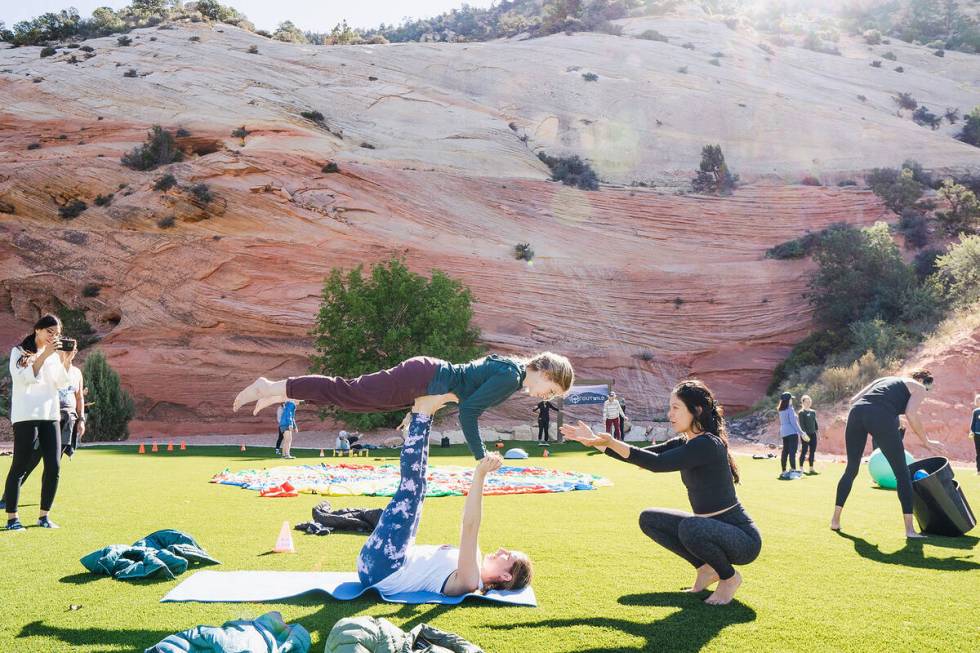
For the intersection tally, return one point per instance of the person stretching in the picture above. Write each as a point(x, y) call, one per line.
point(789, 430)
point(875, 410)
point(475, 386)
point(807, 418)
point(720, 533)
point(391, 561)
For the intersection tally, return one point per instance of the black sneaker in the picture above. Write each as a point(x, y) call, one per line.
point(15, 525)
point(44, 522)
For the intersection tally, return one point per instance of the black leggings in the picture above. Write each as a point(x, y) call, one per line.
point(719, 541)
point(789, 450)
point(976, 443)
point(882, 424)
point(47, 437)
point(810, 447)
point(543, 430)
point(279, 439)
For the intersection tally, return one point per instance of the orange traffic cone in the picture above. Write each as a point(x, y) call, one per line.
point(170, 446)
point(284, 543)
point(154, 448)
point(183, 445)
point(545, 453)
point(243, 446)
point(322, 454)
point(142, 448)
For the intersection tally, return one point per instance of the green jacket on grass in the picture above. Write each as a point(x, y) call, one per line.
point(371, 635)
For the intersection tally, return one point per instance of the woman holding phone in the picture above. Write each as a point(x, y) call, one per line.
point(39, 369)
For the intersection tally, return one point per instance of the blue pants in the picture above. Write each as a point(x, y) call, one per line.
point(384, 552)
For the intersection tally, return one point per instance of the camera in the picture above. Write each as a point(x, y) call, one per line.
point(67, 344)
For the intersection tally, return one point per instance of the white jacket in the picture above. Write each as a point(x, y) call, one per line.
point(35, 397)
point(612, 410)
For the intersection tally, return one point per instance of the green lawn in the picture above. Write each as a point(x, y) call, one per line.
point(601, 585)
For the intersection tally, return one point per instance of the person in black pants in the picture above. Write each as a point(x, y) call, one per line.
point(622, 417)
point(543, 409)
point(875, 410)
point(38, 369)
point(807, 418)
point(720, 533)
point(975, 428)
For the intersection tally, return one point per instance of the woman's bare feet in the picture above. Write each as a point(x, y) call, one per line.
point(263, 392)
point(912, 535)
point(706, 577)
point(725, 591)
point(835, 520)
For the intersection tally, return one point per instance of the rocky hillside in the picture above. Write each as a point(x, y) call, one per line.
point(436, 148)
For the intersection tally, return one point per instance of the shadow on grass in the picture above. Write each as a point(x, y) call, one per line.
point(911, 555)
point(688, 629)
point(81, 579)
point(116, 638)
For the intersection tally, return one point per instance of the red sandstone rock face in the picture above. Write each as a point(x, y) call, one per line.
point(638, 286)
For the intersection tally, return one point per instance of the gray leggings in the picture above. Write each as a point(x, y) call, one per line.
point(730, 538)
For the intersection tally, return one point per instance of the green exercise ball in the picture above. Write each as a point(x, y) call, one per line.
point(882, 472)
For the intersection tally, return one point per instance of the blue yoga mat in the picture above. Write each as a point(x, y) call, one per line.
point(258, 586)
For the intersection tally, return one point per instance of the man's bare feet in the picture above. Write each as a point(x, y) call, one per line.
point(725, 591)
point(706, 577)
point(835, 524)
point(263, 392)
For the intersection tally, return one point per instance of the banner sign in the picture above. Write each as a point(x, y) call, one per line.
point(586, 394)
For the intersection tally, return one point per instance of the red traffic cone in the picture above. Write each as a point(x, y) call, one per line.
point(322, 454)
point(170, 446)
point(183, 445)
point(142, 448)
point(284, 543)
point(243, 446)
point(154, 448)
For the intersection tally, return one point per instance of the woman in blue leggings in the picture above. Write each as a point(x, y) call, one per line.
point(390, 560)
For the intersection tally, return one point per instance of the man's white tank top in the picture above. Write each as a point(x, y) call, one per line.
point(426, 569)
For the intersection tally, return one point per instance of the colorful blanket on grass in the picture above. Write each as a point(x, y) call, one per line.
point(350, 479)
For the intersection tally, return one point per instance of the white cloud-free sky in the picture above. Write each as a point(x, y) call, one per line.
point(313, 15)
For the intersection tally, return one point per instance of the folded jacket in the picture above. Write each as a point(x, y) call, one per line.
point(166, 553)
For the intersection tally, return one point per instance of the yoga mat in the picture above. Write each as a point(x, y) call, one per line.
point(258, 586)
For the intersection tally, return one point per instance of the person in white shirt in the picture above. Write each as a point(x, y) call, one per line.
point(391, 561)
point(611, 412)
point(72, 425)
point(38, 369)
point(342, 444)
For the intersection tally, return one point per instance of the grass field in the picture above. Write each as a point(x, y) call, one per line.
point(601, 584)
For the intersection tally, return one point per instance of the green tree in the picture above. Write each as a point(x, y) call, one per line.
point(862, 276)
point(111, 409)
point(959, 271)
point(289, 33)
point(370, 323)
point(713, 177)
point(898, 189)
point(4, 386)
point(971, 128)
point(964, 208)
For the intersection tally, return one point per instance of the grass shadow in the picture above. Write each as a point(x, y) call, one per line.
point(686, 630)
point(910, 555)
point(112, 639)
point(83, 578)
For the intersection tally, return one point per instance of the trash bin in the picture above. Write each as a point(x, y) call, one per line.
point(938, 503)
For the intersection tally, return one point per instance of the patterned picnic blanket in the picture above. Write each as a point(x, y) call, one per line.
point(348, 479)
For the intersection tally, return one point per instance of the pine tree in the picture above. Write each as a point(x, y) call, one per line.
point(111, 407)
